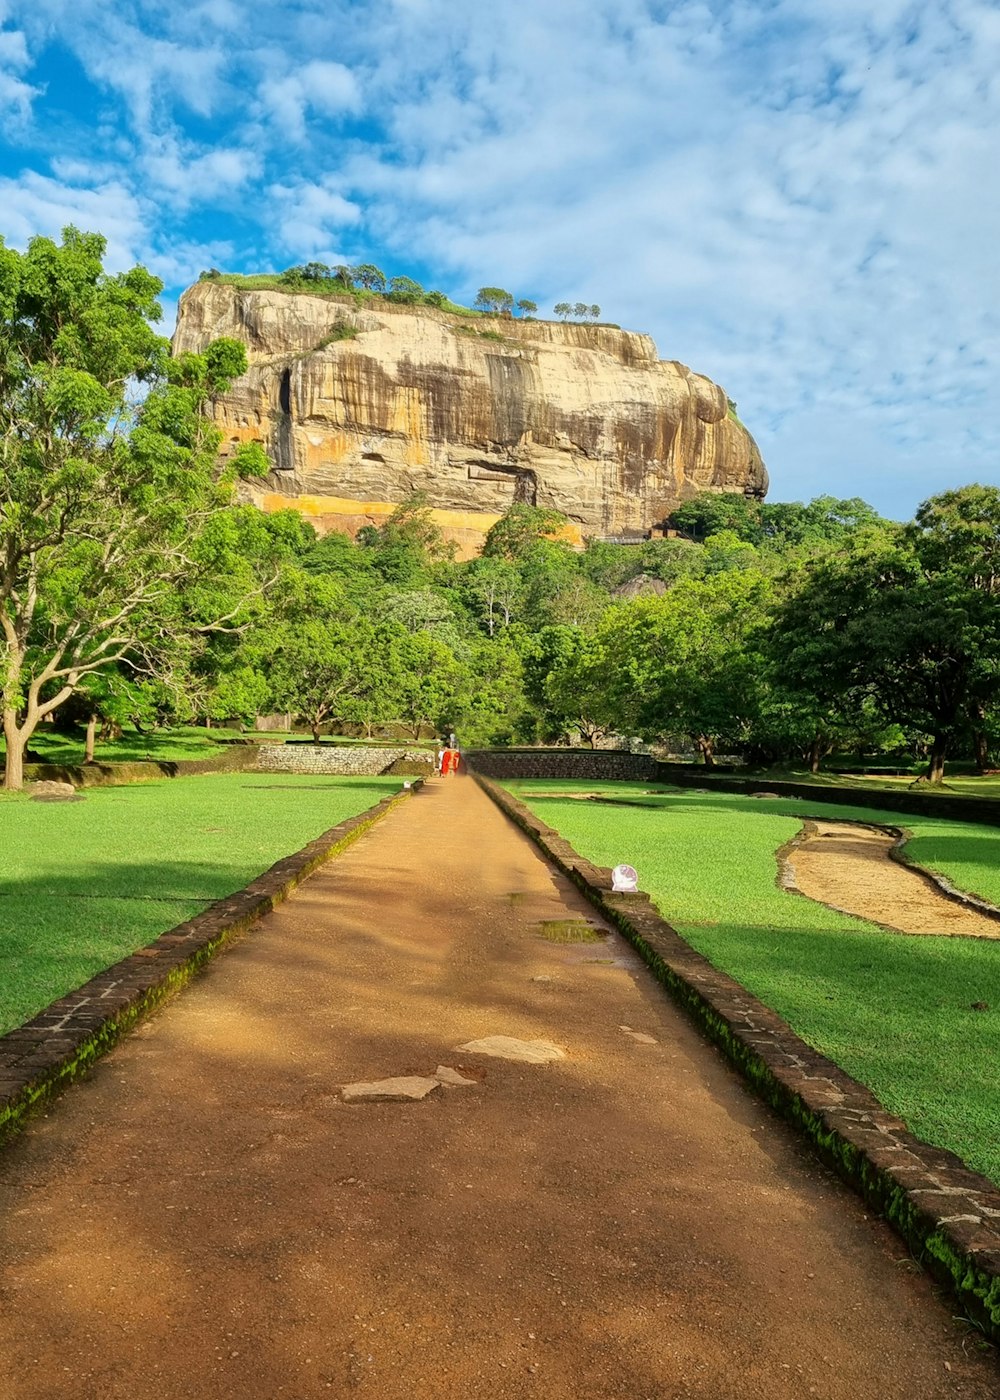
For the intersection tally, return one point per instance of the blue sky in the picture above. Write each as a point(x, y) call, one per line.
point(799, 198)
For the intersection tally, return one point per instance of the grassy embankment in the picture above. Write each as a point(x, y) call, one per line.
point(895, 1012)
point(962, 784)
point(83, 884)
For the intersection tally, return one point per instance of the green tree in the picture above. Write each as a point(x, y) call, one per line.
point(404, 289)
point(103, 502)
point(563, 309)
point(594, 312)
point(406, 549)
point(691, 662)
point(581, 686)
point(493, 698)
point(318, 654)
point(431, 683)
point(369, 276)
point(910, 623)
point(519, 530)
point(711, 511)
point(493, 299)
point(527, 308)
point(495, 590)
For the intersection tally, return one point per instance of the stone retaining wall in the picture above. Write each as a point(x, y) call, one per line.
point(231, 758)
point(948, 1214)
point(917, 804)
point(344, 759)
point(585, 765)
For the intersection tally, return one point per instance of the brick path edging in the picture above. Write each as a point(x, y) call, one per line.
point(47, 1053)
point(948, 1214)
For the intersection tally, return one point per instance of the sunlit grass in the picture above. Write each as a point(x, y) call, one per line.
point(83, 884)
point(896, 1012)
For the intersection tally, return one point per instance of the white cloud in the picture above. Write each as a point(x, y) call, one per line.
point(16, 95)
point(190, 178)
point(319, 88)
point(306, 215)
point(34, 204)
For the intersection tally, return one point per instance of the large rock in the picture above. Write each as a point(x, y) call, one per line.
point(476, 413)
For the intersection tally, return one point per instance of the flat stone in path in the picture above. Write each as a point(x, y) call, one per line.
point(444, 1074)
point(406, 1088)
point(640, 1036)
point(507, 1047)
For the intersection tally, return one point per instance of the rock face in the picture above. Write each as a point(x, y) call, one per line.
point(358, 408)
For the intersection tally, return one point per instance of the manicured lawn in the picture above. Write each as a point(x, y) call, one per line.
point(895, 1012)
point(83, 884)
point(161, 745)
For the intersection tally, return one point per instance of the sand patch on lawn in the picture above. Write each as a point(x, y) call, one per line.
point(850, 869)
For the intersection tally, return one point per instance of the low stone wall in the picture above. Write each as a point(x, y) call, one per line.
point(586, 765)
point(917, 804)
point(947, 1213)
point(231, 758)
point(347, 760)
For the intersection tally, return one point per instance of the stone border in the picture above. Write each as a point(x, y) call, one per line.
point(896, 852)
point(948, 1214)
point(47, 1053)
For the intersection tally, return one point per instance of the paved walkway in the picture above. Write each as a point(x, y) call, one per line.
point(206, 1218)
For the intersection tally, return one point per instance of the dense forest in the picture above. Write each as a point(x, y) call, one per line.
point(133, 589)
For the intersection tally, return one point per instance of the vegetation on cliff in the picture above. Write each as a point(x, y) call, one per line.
point(367, 283)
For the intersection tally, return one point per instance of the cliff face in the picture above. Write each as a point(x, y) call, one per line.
point(360, 408)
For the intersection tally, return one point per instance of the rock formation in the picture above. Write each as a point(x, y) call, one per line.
point(359, 407)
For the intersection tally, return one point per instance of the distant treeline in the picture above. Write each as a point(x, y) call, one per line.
point(366, 280)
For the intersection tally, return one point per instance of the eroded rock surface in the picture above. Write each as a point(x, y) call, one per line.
point(478, 414)
point(403, 1089)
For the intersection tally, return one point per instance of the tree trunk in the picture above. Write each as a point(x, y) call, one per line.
point(935, 765)
point(88, 752)
point(815, 753)
point(16, 737)
point(704, 746)
point(315, 732)
point(982, 750)
point(979, 739)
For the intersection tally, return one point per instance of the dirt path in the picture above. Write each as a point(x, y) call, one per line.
point(206, 1217)
point(849, 868)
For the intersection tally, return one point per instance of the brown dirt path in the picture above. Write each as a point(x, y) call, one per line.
point(849, 868)
point(206, 1218)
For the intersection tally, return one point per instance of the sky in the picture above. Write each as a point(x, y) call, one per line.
point(798, 198)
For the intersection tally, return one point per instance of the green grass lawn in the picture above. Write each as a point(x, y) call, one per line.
point(895, 1012)
point(83, 884)
point(161, 745)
